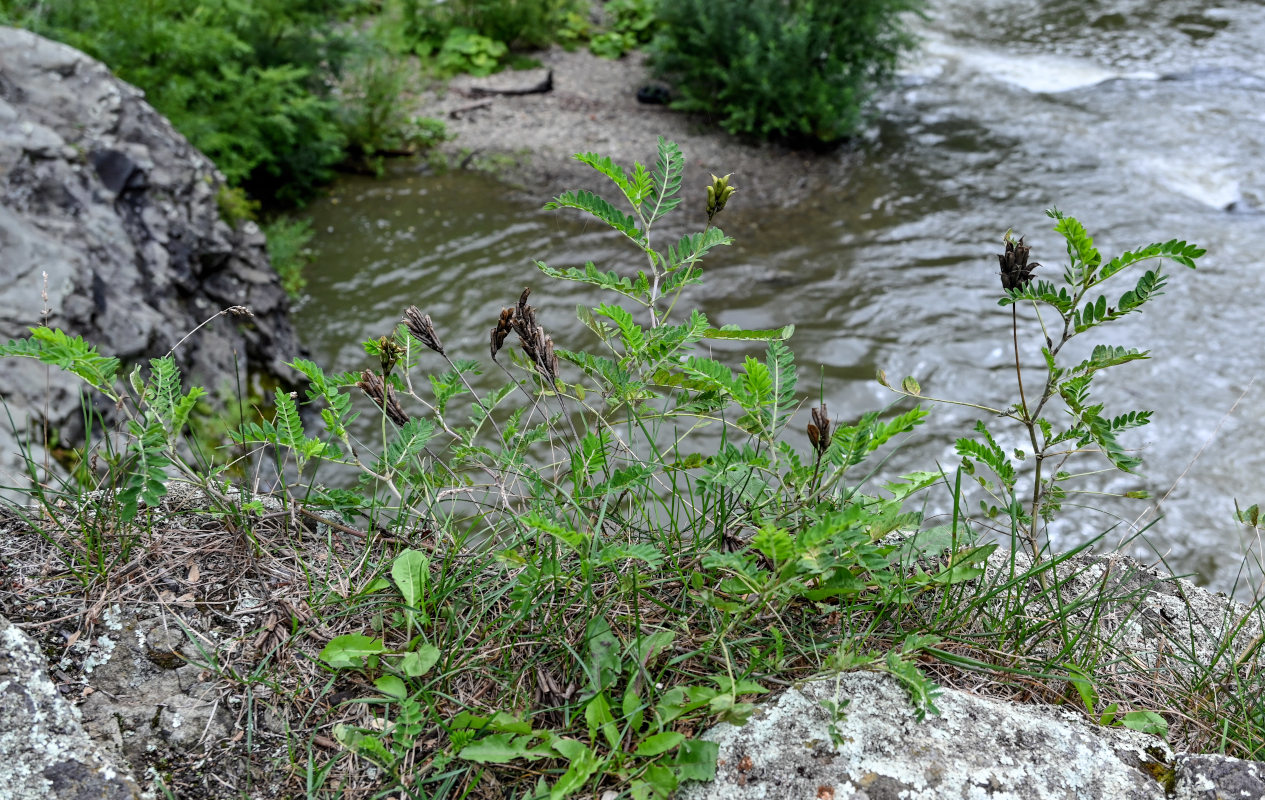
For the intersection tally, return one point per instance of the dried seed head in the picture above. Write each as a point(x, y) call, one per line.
point(239, 311)
point(422, 329)
point(537, 345)
point(819, 430)
point(383, 395)
point(503, 327)
point(1015, 269)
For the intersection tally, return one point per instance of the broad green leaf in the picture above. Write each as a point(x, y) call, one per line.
point(659, 743)
point(411, 571)
point(695, 760)
point(597, 714)
point(651, 646)
point(603, 647)
point(500, 748)
point(419, 662)
point(583, 764)
point(351, 650)
point(661, 779)
point(391, 686)
point(1147, 722)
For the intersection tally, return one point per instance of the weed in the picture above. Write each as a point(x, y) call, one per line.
point(1089, 429)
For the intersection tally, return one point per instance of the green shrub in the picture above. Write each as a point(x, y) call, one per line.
point(235, 205)
point(632, 24)
point(247, 83)
point(375, 121)
point(794, 70)
point(471, 34)
point(467, 51)
point(289, 250)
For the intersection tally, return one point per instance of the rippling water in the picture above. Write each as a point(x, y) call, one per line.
point(1144, 120)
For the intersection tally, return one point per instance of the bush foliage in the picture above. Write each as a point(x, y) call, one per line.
point(247, 82)
point(794, 70)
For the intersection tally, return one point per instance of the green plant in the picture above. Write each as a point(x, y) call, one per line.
point(289, 250)
point(235, 205)
point(632, 23)
point(466, 51)
point(643, 483)
point(375, 117)
point(247, 83)
point(795, 70)
point(475, 27)
point(1087, 427)
point(556, 582)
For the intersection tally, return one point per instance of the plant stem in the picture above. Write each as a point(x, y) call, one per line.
point(1031, 425)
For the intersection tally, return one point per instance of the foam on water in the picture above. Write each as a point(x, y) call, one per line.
point(1035, 73)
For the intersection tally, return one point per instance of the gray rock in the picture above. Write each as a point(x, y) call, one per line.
point(45, 754)
point(976, 748)
point(109, 220)
point(986, 748)
point(152, 700)
point(1218, 778)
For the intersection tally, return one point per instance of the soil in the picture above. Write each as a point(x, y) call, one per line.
point(527, 140)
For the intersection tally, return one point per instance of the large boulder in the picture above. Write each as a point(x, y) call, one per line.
point(110, 229)
point(976, 748)
point(878, 749)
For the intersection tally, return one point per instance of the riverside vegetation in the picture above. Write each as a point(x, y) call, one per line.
point(280, 94)
point(557, 584)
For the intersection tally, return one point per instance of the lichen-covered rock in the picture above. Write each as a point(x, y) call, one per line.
point(151, 702)
point(110, 229)
point(45, 754)
point(1214, 777)
point(976, 748)
point(1174, 628)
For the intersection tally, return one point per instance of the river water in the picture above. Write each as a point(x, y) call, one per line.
point(1146, 120)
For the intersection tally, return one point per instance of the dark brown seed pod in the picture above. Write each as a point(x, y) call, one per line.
point(503, 327)
point(423, 329)
point(819, 430)
point(1015, 269)
point(383, 395)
